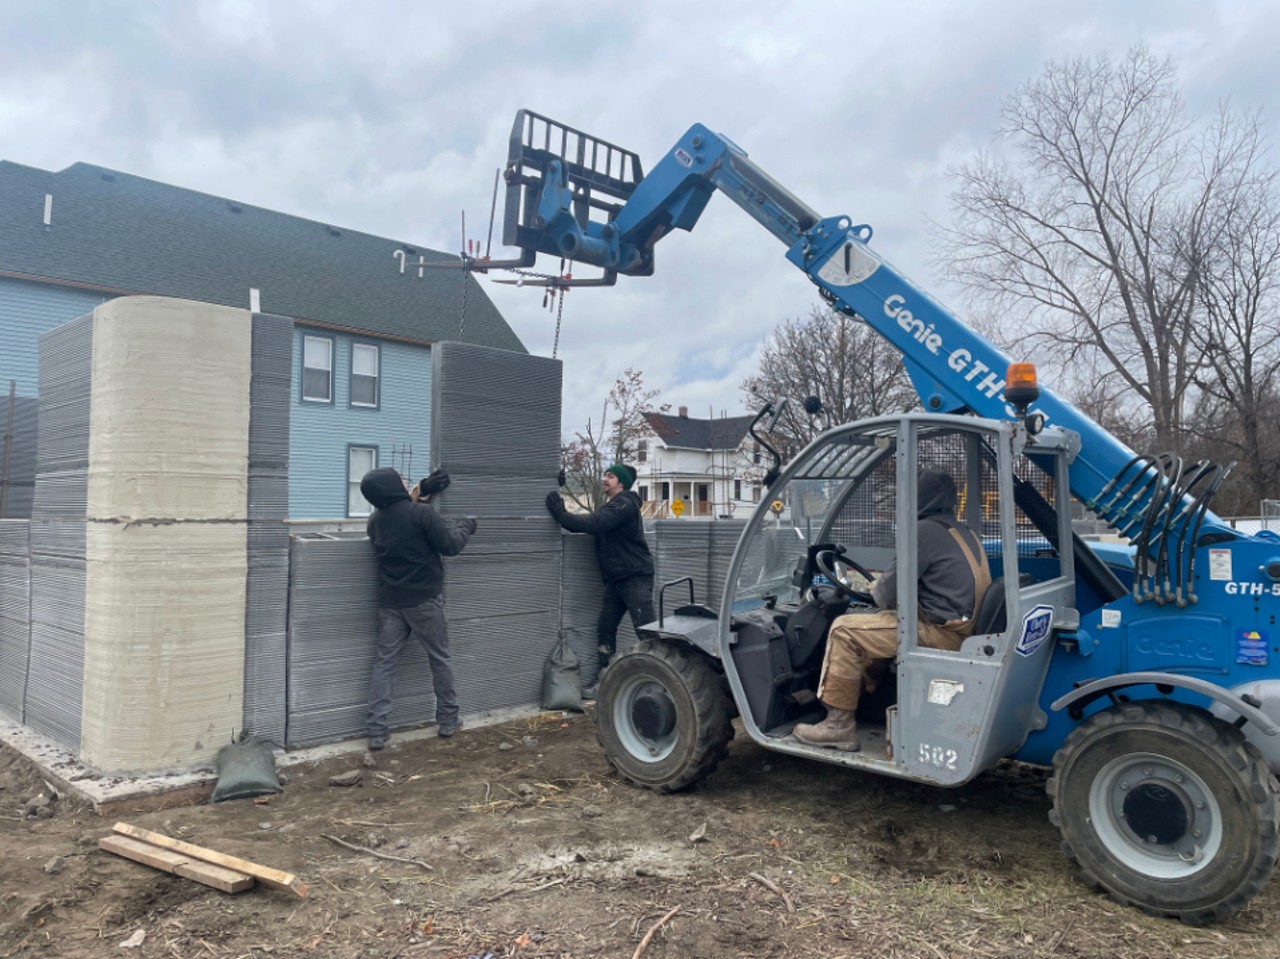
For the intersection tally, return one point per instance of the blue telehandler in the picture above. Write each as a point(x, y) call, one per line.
point(1147, 685)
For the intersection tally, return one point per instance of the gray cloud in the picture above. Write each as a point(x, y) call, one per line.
point(393, 119)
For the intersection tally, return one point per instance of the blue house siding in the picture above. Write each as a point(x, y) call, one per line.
point(320, 434)
point(26, 311)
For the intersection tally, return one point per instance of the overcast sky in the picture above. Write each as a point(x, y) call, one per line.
point(392, 118)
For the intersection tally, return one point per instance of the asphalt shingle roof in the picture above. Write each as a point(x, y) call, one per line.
point(688, 433)
point(114, 231)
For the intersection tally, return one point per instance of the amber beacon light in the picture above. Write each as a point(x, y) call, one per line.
point(1021, 390)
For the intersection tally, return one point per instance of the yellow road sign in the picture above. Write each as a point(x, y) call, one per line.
point(776, 506)
point(677, 506)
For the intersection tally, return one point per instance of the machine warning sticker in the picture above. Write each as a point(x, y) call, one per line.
point(1036, 626)
point(1220, 564)
point(1111, 617)
point(943, 691)
point(683, 157)
point(1251, 647)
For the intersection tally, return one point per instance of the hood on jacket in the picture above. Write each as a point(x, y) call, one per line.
point(382, 487)
point(935, 494)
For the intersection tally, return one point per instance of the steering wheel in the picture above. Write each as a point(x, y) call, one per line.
point(828, 561)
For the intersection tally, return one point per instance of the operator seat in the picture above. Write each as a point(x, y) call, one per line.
point(991, 616)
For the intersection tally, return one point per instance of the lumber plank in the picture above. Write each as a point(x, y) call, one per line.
point(274, 878)
point(225, 880)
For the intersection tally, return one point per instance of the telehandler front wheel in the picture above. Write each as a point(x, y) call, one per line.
point(662, 717)
point(1168, 808)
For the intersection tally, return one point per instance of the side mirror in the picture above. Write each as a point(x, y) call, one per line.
point(775, 411)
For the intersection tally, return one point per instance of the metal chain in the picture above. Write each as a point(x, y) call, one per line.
point(555, 347)
point(462, 318)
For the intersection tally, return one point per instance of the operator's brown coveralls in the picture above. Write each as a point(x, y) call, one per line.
point(953, 577)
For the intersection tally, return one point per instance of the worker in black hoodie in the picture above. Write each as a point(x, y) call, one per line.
point(409, 538)
point(625, 561)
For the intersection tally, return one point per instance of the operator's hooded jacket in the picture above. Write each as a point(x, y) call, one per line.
point(409, 539)
point(619, 532)
point(947, 590)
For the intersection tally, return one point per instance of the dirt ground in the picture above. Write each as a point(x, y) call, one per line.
point(536, 851)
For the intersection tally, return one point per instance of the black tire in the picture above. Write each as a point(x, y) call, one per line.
point(1167, 808)
point(662, 717)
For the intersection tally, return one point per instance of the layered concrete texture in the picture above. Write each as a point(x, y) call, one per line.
point(165, 548)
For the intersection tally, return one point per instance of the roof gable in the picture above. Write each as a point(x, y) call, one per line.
point(686, 432)
point(118, 232)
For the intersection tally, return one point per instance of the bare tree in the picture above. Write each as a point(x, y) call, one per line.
point(851, 368)
point(1238, 334)
point(1089, 231)
point(614, 438)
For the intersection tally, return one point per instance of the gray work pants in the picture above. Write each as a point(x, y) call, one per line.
point(426, 623)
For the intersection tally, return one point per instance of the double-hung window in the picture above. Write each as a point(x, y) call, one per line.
point(317, 369)
point(365, 374)
point(360, 459)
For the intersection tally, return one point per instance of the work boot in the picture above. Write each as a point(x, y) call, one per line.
point(838, 731)
point(446, 730)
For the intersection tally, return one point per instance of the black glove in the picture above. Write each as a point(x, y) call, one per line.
point(561, 478)
point(469, 524)
point(555, 503)
point(437, 482)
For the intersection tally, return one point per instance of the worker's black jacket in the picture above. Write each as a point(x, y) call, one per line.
point(619, 533)
point(409, 539)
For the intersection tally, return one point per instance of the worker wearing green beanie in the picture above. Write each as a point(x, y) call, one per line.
point(625, 561)
point(624, 474)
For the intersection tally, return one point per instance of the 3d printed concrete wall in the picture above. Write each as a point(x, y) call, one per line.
point(155, 604)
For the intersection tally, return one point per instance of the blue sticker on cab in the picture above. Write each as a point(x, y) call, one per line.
point(1252, 647)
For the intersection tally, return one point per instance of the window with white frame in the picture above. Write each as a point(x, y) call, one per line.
point(364, 374)
point(317, 369)
point(360, 459)
point(642, 451)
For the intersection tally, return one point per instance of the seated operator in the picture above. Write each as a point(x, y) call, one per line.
point(953, 579)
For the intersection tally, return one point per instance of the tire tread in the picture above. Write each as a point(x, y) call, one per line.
point(1224, 739)
point(712, 707)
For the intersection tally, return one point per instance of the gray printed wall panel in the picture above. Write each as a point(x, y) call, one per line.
point(55, 666)
point(15, 614)
point(496, 428)
point(18, 474)
point(267, 577)
point(333, 621)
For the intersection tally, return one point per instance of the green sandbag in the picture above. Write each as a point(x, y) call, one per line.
point(246, 768)
point(561, 678)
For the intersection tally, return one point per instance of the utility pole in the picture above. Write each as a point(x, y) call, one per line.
point(8, 451)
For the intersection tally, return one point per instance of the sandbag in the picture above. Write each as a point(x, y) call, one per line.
point(246, 768)
point(561, 678)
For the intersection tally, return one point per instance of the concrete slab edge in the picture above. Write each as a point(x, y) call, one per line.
point(111, 794)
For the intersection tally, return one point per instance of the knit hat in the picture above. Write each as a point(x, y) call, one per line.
point(626, 475)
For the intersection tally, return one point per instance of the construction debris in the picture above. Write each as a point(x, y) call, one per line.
point(224, 880)
point(274, 878)
point(351, 778)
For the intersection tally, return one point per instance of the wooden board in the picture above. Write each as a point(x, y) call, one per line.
point(226, 880)
point(275, 878)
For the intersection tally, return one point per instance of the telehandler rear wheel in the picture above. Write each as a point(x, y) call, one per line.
point(1168, 808)
point(662, 717)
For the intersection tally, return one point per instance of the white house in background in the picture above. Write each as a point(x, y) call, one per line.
point(712, 466)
